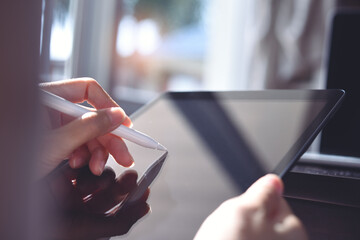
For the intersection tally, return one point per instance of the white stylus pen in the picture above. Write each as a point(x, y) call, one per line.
point(62, 105)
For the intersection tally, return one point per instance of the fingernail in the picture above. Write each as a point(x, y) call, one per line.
point(132, 165)
point(116, 115)
point(131, 162)
point(100, 168)
point(73, 162)
point(276, 183)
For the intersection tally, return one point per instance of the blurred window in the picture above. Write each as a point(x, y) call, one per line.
point(137, 49)
point(57, 38)
point(160, 46)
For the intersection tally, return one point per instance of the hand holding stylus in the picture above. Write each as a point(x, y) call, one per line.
point(75, 110)
point(86, 139)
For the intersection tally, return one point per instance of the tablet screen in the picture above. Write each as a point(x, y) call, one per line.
point(219, 143)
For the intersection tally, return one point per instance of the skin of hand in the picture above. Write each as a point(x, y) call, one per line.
point(259, 213)
point(85, 140)
point(77, 202)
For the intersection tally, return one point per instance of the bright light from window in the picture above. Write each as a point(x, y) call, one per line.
point(125, 41)
point(142, 37)
point(61, 41)
point(148, 37)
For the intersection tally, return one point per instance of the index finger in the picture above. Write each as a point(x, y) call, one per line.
point(83, 89)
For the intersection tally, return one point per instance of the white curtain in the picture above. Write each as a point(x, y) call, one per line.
point(262, 44)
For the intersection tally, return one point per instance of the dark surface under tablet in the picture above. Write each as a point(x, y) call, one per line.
point(219, 143)
point(341, 135)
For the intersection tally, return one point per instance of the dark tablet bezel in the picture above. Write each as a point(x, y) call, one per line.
point(331, 97)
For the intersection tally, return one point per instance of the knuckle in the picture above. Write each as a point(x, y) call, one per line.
point(89, 80)
point(92, 82)
point(295, 222)
point(246, 208)
point(98, 122)
point(239, 207)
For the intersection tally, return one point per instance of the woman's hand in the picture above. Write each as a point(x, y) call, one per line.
point(259, 213)
point(76, 204)
point(84, 140)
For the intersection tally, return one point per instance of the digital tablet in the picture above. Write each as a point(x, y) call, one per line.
point(220, 143)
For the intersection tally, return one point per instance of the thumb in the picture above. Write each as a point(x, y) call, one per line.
point(266, 193)
point(64, 140)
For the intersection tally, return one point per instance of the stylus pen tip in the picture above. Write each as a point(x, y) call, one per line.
point(161, 147)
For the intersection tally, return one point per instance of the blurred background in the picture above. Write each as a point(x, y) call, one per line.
point(137, 49)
